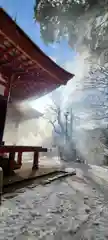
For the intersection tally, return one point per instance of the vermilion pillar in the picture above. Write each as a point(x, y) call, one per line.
point(3, 106)
point(3, 109)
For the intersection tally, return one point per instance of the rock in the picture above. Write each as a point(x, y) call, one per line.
point(96, 223)
point(73, 227)
point(70, 170)
point(106, 235)
point(35, 214)
point(85, 202)
point(49, 210)
point(61, 193)
point(86, 198)
point(57, 210)
point(82, 217)
point(48, 215)
point(87, 210)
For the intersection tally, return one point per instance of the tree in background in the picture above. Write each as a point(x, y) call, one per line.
point(58, 18)
point(97, 84)
point(61, 121)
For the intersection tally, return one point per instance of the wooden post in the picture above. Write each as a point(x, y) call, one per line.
point(19, 159)
point(71, 124)
point(36, 161)
point(1, 183)
point(11, 161)
point(6, 101)
point(3, 107)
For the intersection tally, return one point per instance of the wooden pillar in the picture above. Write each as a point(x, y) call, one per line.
point(19, 159)
point(36, 160)
point(1, 183)
point(11, 161)
point(3, 108)
point(4, 105)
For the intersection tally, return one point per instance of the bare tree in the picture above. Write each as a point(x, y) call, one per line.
point(95, 93)
point(61, 121)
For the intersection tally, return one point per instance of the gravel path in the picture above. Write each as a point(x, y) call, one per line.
point(68, 209)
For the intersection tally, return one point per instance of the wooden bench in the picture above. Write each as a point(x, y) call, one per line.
point(20, 150)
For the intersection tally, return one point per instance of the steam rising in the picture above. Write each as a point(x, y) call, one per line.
point(86, 94)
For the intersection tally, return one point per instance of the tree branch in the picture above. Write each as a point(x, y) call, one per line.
point(55, 129)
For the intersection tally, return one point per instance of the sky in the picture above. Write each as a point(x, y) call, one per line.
point(22, 11)
point(62, 54)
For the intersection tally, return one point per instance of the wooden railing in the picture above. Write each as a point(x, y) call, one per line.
point(12, 150)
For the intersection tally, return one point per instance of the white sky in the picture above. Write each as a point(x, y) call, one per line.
point(76, 67)
point(69, 93)
point(40, 104)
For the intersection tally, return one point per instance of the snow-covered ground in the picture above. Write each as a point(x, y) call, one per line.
point(67, 209)
point(99, 173)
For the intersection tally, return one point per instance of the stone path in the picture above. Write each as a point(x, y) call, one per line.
point(67, 209)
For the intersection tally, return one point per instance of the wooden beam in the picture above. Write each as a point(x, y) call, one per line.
point(20, 40)
point(9, 148)
point(3, 83)
point(19, 159)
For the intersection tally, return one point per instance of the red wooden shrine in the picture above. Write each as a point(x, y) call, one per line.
point(25, 71)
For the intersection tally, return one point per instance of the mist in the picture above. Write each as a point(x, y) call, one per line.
point(86, 93)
